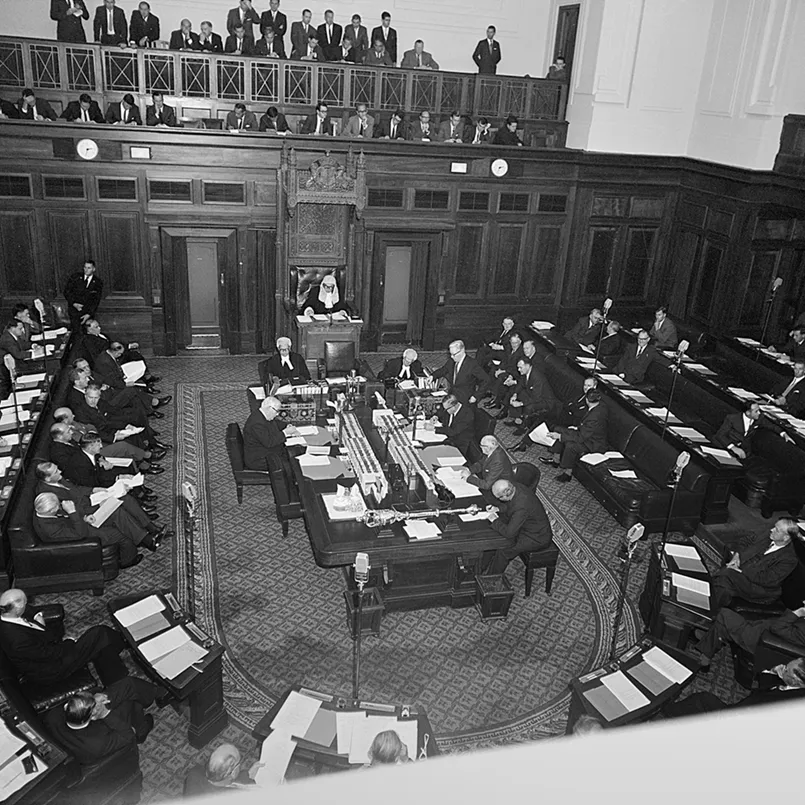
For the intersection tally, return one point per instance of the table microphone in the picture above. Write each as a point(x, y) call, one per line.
point(361, 567)
point(11, 365)
point(682, 461)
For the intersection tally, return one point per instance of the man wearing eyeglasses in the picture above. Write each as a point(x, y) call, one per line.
point(635, 361)
point(464, 376)
point(262, 436)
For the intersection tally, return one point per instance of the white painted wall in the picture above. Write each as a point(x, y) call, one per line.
point(450, 28)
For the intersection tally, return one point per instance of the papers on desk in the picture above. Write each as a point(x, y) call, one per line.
point(130, 615)
point(426, 436)
point(691, 591)
point(294, 441)
point(38, 352)
point(319, 317)
point(686, 557)
point(308, 460)
point(624, 691)
point(722, 456)
point(296, 714)
point(631, 474)
point(743, 393)
point(23, 398)
point(13, 776)
point(468, 518)
point(258, 391)
point(8, 417)
point(666, 665)
point(304, 319)
point(541, 435)
point(405, 385)
point(456, 483)
point(661, 413)
point(700, 368)
point(614, 380)
point(691, 434)
point(748, 342)
point(11, 439)
point(636, 396)
point(451, 461)
point(307, 430)
point(345, 724)
point(589, 364)
point(5, 464)
point(31, 380)
point(649, 678)
point(331, 500)
point(541, 325)
point(275, 755)
point(420, 530)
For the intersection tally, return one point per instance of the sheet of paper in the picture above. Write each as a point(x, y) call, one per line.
point(179, 660)
point(661, 413)
point(133, 370)
point(428, 436)
point(5, 464)
point(275, 755)
point(295, 440)
point(139, 610)
point(686, 558)
point(163, 644)
point(602, 699)
point(700, 368)
point(743, 393)
point(105, 511)
point(146, 627)
point(13, 776)
point(749, 342)
point(296, 714)
point(23, 398)
point(9, 742)
point(624, 474)
point(322, 729)
point(364, 732)
point(637, 396)
point(692, 599)
point(258, 391)
point(663, 662)
point(307, 460)
point(689, 433)
point(542, 325)
point(119, 462)
point(722, 456)
point(421, 529)
point(304, 319)
point(593, 458)
point(468, 518)
point(345, 723)
point(688, 583)
point(624, 691)
point(407, 384)
point(307, 430)
point(650, 678)
point(30, 380)
point(451, 461)
point(614, 380)
point(8, 417)
point(540, 435)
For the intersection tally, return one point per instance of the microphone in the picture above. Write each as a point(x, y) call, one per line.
point(776, 284)
point(635, 533)
point(683, 347)
point(11, 365)
point(682, 461)
point(606, 306)
point(361, 567)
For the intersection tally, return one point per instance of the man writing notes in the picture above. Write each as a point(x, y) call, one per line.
point(494, 466)
point(464, 376)
point(521, 518)
point(262, 436)
point(458, 423)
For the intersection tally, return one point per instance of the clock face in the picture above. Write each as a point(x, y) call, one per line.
point(87, 149)
point(500, 167)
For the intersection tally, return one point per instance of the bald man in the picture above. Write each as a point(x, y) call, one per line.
point(221, 772)
point(43, 657)
point(494, 466)
point(284, 365)
point(521, 518)
point(406, 367)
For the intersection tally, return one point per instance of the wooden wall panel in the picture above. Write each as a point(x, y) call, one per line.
point(17, 254)
point(121, 254)
point(508, 259)
point(70, 243)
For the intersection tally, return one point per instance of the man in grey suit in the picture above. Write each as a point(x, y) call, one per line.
point(301, 31)
point(495, 465)
point(419, 58)
point(361, 124)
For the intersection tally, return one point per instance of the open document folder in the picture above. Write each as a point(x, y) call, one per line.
point(172, 652)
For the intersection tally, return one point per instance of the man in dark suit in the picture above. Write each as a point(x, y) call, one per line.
point(186, 38)
point(68, 15)
point(159, 113)
point(143, 26)
point(487, 53)
point(387, 35)
point(463, 375)
point(300, 34)
point(480, 133)
point(208, 40)
point(39, 653)
point(311, 51)
point(636, 359)
point(360, 39)
point(377, 56)
point(590, 437)
point(736, 431)
point(109, 25)
point(507, 133)
point(12, 341)
point(496, 350)
point(241, 119)
point(393, 128)
point(32, 108)
point(239, 42)
point(611, 347)
point(262, 436)
point(504, 374)
point(795, 346)
point(458, 423)
point(533, 397)
point(284, 365)
point(277, 21)
point(94, 726)
point(270, 45)
point(318, 123)
point(9, 110)
point(243, 15)
point(663, 331)
point(494, 466)
point(521, 518)
point(791, 394)
point(84, 110)
point(406, 367)
point(330, 34)
point(124, 113)
point(757, 572)
point(221, 773)
point(587, 328)
point(107, 371)
point(274, 122)
point(83, 294)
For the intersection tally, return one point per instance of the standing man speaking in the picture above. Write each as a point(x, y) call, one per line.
point(83, 294)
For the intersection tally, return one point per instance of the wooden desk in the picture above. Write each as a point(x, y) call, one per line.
point(310, 336)
point(410, 575)
point(201, 687)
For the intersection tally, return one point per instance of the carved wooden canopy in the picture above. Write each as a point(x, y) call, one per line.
point(324, 181)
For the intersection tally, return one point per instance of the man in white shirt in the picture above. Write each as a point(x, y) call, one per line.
point(791, 395)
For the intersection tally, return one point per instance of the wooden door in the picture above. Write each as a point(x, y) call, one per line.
point(567, 25)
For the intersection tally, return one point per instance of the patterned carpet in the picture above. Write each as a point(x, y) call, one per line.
point(282, 620)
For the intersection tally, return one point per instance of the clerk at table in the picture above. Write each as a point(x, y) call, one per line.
point(795, 346)
point(325, 299)
point(284, 364)
point(12, 341)
point(262, 436)
point(458, 422)
point(406, 367)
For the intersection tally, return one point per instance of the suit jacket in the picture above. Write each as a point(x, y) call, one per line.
point(121, 29)
point(278, 48)
point(409, 60)
point(212, 45)
point(461, 432)
point(67, 490)
point(767, 570)
point(592, 432)
point(299, 36)
point(80, 469)
point(494, 467)
point(795, 400)
point(69, 28)
point(114, 114)
point(103, 419)
point(393, 367)
point(318, 53)
point(279, 124)
point(90, 346)
point(415, 131)
point(177, 41)
point(471, 380)
point(610, 349)
point(505, 137)
point(98, 740)
point(360, 41)
point(250, 19)
point(582, 333)
point(107, 371)
point(483, 136)
point(11, 346)
point(353, 127)
point(383, 129)
point(279, 22)
point(167, 116)
point(139, 27)
point(536, 394)
point(62, 528)
point(246, 45)
point(794, 350)
point(309, 125)
point(373, 60)
point(445, 130)
point(524, 521)
point(330, 45)
point(261, 438)
point(487, 60)
point(43, 108)
point(732, 432)
point(634, 368)
point(274, 367)
point(249, 121)
point(73, 112)
point(9, 109)
point(77, 290)
point(40, 655)
point(389, 40)
point(665, 337)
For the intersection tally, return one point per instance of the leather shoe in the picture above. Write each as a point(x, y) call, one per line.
point(163, 699)
point(156, 414)
point(147, 491)
point(149, 725)
point(521, 431)
point(156, 445)
point(136, 562)
point(563, 478)
point(148, 507)
point(163, 400)
point(158, 453)
point(154, 432)
point(153, 378)
point(549, 461)
point(154, 469)
point(518, 448)
point(153, 515)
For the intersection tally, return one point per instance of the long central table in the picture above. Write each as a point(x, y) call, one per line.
point(409, 575)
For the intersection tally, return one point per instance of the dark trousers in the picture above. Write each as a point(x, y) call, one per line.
point(100, 645)
point(729, 627)
point(704, 702)
point(109, 535)
point(570, 449)
point(730, 584)
point(128, 698)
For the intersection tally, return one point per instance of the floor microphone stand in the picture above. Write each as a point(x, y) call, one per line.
point(17, 421)
point(766, 320)
point(676, 477)
point(676, 370)
point(361, 577)
point(633, 535)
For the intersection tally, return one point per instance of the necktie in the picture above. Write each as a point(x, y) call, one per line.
point(418, 60)
point(240, 123)
point(330, 33)
point(110, 26)
point(318, 125)
point(639, 351)
point(490, 46)
point(455, 373)
point(125, 115)
point(393, 130)
point(89, 280)
point(450, 421)
point(790, 386)
point(477, 138)
point(85, 115)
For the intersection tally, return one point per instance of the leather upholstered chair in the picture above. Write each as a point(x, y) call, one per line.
point(242, 475)
point(286, 497)
point(302, 278)
point(339, 358)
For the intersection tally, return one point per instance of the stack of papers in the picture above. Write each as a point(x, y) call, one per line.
point(651, 679)
point(308, 460)
point(144, 618)
point(691, 434)
point(172, 652)
point(451, 461)
point(5, 464)
point(686, 557)
point(614, 380)
point(30, 380)
point(9, 417)
point(540, 435)
point(133, 371)
point(624, 691)
point(701, 369)
point(743, 393)
point(23, 398)
point(598, 458)
point(691, 591)
point(455, 482)
point(419, 530)
point(427, 436)
point(662, 413)
point(631, 474)
point(748, 342)
point(665, 664)
point(636, 396)
point(541, 325)
point(722, 456)
point(258, 391)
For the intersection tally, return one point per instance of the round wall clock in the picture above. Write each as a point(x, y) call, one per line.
point(87, 149)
